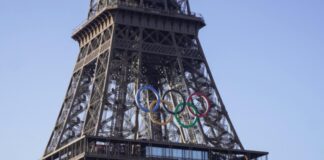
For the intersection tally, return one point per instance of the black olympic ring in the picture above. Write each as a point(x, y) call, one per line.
point(183, 102)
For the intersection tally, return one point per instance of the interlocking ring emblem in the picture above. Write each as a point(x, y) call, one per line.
point(182, 107)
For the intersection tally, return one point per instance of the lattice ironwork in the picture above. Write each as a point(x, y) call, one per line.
point(174, 6)
point(128, 44)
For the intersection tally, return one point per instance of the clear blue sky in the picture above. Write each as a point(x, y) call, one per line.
point(267, 57)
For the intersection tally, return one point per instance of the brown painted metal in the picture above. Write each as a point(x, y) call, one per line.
point(124, 45)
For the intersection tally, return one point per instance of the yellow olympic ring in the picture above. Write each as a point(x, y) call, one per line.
point(162, 123)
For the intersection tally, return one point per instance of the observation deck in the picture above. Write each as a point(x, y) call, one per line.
point(97, 148)
point(145, 9)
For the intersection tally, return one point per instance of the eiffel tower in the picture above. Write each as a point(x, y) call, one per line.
point(142, 89)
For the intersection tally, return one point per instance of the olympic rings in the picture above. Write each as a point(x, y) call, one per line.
point(200, 115)
point(183, 100)
point(138, 94)
point(168, 106)
point(156, 121)
point(191, 105)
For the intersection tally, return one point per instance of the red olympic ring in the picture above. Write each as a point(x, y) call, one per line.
point(200, 115)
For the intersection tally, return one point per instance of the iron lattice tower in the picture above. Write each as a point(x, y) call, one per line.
point(125, 45)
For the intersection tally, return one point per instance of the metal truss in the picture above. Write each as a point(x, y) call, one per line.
point(172, 6)
point(123, 49)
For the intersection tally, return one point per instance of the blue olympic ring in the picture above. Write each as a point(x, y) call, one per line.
point(156, 93)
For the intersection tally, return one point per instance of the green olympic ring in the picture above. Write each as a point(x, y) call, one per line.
point(193, 123)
